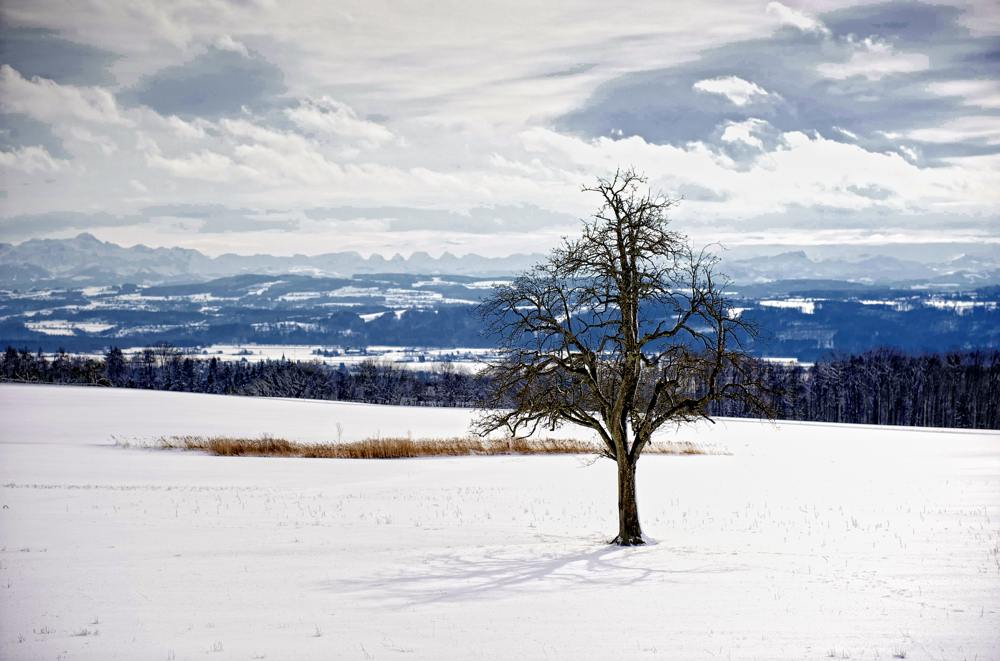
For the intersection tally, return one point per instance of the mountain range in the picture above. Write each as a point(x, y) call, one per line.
point(85, 261)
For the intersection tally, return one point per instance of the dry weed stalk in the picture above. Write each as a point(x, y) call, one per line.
point(397, 448)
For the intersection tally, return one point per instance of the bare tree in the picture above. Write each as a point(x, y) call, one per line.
point(621, 331)
point(166, 353)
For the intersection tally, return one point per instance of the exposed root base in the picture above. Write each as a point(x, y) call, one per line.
point(633, 540)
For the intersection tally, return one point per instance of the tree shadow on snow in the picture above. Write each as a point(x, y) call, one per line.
point(454, 577)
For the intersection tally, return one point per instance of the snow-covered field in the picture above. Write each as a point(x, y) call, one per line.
point(415, 358)
point(808, 541)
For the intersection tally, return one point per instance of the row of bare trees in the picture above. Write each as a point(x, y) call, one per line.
point(166, 368)
point(887, 386)
point(883, 386)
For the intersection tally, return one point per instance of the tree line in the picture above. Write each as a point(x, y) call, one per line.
point(887, 386)
point(164, 367)
point(881, 386)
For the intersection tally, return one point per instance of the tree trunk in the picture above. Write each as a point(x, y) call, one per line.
point(629, 532)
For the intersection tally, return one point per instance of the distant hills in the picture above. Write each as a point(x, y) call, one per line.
point(964, 272)
point(85, 261)
point(84, 295)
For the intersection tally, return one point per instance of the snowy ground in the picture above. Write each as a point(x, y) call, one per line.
point(808, 541)
point(416, 358)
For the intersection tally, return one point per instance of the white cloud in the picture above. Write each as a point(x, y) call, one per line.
point(31, 159)
point(909, 153)
point(269, 165)
point(145, 144)
point(743, 132)
point(981, 93)
point(107, 145)
point(169, 21)
point(807, 171)
point(284, 141)
point(470, 103)
point(204, 165)
point(737, 90)
point(852, 136)
point(259, 154)
point(476, 55)
point(876, 61)
point(226, 42)
point(268, 155)
point(985, 128)
point(333, 117)
point(192, 129)
point(789, 16)
point(49, 101)
point(743, 145)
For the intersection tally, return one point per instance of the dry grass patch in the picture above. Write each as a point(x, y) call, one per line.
point(396, 448)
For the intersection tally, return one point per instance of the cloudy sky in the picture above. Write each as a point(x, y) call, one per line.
point(255, 126)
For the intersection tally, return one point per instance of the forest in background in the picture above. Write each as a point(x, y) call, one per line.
point(885, 386)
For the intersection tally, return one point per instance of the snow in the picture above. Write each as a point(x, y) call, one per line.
point(808, 540)
point(961, 307)
point(300, 296)
point(263, 287)
point(897, 305)
point(468, 358)
point(62, 327)
point(803, 305)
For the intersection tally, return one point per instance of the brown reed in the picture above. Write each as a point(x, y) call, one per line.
point(399, 448)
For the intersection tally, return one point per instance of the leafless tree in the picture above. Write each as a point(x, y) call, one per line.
point(621, 331)
point(166, 353)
